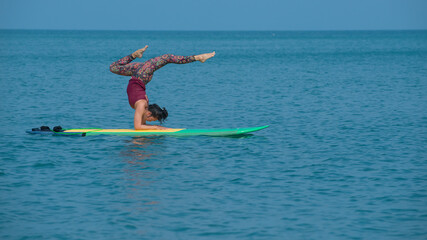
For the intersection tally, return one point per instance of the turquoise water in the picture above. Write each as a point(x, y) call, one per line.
point(344, 157)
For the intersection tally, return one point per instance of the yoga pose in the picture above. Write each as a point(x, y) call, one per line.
point(141, 75)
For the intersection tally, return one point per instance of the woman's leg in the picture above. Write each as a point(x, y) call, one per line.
point(124, 66)
point(155, 63)
point(158, 62)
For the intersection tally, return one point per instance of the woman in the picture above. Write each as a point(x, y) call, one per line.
point(141, 75)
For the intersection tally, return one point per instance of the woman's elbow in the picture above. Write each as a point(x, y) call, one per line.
point(139, 128)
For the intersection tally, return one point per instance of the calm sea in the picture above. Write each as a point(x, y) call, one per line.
point(345, 156)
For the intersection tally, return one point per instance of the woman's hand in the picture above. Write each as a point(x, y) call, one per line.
point(161, 127)
point(151, 127)
point(138, 53)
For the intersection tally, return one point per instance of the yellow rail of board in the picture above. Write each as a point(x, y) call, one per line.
point(119, 130)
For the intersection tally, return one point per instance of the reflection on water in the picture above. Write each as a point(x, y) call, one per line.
point(138, 149)
point(140, 171)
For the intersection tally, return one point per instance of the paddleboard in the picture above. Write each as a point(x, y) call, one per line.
point(168, 132)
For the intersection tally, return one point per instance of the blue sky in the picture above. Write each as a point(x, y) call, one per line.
point(214, 14)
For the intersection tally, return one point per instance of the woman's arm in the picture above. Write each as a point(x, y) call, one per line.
point(141, 107)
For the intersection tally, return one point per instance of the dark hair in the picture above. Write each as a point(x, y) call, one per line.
point(157, 112)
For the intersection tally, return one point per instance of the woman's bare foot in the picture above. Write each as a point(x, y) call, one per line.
point(203, 57)
point(138, 53)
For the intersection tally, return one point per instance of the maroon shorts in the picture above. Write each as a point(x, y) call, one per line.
point(136, 91)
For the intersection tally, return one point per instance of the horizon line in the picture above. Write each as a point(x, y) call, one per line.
point(198, 30)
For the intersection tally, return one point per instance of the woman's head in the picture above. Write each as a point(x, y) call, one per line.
point(157, 113)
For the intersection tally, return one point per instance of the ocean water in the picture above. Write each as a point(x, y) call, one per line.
point(344, 157)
